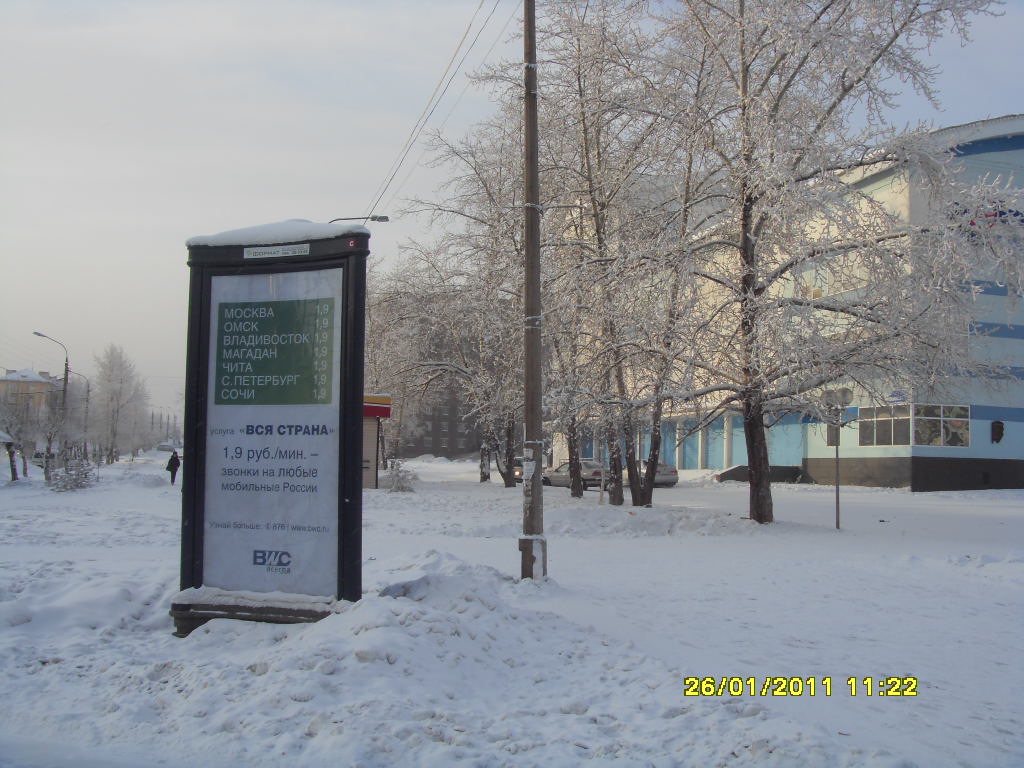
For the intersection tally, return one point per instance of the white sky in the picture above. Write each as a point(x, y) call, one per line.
point(130, 125)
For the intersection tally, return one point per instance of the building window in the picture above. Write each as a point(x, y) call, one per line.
point(885, 425)
point(946, 425)
point(444, 442)
point(461, 427)
point(428, 442)
point(940, 425)
point(462, 443)
point(444, 410)
point(444, 426)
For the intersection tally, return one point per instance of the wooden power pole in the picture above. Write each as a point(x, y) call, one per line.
point(532, 545)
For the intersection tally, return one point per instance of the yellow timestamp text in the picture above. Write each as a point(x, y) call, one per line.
point(797, 686)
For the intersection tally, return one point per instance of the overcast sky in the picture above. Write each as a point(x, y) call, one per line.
point(130, 125)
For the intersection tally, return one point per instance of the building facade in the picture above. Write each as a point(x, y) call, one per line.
point(957, 433)
point(444, 430)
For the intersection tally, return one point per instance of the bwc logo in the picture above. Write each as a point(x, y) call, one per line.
point(275, 560)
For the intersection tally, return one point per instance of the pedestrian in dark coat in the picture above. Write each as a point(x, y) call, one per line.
point(172, 465)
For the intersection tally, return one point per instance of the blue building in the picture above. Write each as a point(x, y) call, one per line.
point(958, 433)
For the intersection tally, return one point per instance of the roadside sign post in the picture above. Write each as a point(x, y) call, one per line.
point(271, 477)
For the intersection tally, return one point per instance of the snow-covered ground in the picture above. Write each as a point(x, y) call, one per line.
point(450, 660)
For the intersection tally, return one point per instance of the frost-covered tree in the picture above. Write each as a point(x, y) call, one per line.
point(121, 399)
point(465, 287)
point(18, 420)
point(596, 154)
point(394, 342)
point(800, 92)
point(618, 297)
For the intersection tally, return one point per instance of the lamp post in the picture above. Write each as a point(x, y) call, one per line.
point(361, 218)
point(85, 417)
point(63, 395)
point(837, 400)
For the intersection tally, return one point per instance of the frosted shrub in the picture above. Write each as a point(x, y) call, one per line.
point(398, 478)
point(77, 474)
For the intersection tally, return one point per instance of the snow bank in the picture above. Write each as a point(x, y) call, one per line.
point(443, 666)
point(448, 659)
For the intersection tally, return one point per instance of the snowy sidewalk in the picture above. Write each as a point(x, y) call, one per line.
point(449, 660)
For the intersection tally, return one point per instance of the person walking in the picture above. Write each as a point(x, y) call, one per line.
point(172, 465)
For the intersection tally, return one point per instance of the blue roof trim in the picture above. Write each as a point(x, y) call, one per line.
point(996, 413)
point(978, 412)
point(984, 146)
point(990, 288)
point(997, 330)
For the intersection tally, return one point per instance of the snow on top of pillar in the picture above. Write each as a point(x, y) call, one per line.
point(289, 231)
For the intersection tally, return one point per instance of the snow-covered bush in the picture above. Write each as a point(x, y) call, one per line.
point(77, 474)
point(398, 478)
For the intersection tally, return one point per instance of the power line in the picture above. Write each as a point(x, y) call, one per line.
point(432, 104)
point(456, 103)
point(397, 162)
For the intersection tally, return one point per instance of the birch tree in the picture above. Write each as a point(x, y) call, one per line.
point(394, 342)
point(801, 94)
point(644, 186)
point(598, 153)
point(467, 285)
point(122, 398)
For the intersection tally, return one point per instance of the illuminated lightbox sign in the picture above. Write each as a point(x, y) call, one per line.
point(272, 442)
point(271, 491)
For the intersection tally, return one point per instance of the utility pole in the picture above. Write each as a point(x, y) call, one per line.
point(532, 546)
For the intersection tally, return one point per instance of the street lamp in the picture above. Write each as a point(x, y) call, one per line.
point(361, 218)
point(837, 400)
point(64, 391)
point(85, 418)
point(63, 395)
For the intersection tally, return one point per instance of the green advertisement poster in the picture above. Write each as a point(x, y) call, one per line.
point(275, 352)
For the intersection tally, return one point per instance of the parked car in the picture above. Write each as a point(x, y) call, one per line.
point(665, 476)
point(39, 458)
point(559, 476)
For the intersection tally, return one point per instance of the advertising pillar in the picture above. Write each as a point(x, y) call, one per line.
point(271, 508)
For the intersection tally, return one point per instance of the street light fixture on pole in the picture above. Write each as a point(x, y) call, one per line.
point(837, 400)
point(85, 418)
point(64, 393)
point(381, 219)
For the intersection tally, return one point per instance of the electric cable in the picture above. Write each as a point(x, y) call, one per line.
point(432, 104)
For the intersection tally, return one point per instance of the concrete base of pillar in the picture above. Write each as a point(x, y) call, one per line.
point(534, 550)
point(188, 616)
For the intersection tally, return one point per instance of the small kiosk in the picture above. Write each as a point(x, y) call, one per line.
point(272, 503)
point(375, 408)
